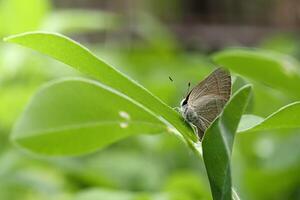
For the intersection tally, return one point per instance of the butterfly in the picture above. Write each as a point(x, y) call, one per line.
point(206, 100)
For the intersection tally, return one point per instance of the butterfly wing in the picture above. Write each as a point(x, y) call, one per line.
point(217, 83)
point(208, 98)
point(208, 108)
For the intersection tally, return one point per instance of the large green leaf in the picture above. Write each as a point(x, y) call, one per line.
point(76, 116)
point(77, 56)
point(274, 69)
point(286, 117)
point(217, 144)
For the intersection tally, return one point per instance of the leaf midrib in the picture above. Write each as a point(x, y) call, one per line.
point(79, 126)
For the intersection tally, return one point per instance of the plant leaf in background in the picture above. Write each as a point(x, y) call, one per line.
point(282, 42)
point(274, 69)
point(218, 142)
point(77, 116)
point(286, 117)
point(75, 55)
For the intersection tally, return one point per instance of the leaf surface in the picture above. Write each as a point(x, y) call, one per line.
point(218, 142)
point(80, 58)
point(76, 116)
point(286, 117)
point(273, 69)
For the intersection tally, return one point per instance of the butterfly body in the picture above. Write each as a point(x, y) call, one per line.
point(206, 100)
point(189, 114)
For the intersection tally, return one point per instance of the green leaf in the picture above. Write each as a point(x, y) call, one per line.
point(286, 117)
point(75, 116)
point(80, 58)
point(274, 69)
point(217, 144)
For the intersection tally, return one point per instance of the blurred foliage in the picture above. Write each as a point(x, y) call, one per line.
point(18, 16)
point(265, 163)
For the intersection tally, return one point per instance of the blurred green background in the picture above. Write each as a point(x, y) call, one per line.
point(149, 40)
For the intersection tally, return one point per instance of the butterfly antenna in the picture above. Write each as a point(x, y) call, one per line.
point(188, 90)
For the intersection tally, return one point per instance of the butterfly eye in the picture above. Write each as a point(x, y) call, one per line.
point(184, 102)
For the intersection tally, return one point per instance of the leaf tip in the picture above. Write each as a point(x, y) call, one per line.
point(246, 88)
point(6, 39)
point(11, 38)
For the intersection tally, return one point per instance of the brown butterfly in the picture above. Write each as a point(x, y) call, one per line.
point(207, 100)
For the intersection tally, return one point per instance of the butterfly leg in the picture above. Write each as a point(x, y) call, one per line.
point(177, 109)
